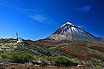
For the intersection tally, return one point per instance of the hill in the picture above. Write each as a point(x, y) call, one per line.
point(83, 52)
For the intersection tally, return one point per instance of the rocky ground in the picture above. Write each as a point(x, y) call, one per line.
point(26, 66)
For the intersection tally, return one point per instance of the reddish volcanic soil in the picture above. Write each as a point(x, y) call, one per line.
point(24, 66)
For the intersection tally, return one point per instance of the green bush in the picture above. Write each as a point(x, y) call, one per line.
point(61, 61)
point(19, 57)
point(89, 63)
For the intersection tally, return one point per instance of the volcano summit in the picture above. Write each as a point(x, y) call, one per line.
point(70, 32)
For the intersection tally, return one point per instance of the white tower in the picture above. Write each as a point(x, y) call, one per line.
point(19, 40)
point(15, 36)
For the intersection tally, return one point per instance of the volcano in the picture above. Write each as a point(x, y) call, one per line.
point(68, 31)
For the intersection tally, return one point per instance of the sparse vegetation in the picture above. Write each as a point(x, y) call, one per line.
point(61, 61)
point(83, 52)
point(19, 57)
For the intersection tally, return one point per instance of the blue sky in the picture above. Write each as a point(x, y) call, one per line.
point(37, 19)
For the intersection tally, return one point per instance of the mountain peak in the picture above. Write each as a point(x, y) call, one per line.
point(68, 31)
point(69, 23)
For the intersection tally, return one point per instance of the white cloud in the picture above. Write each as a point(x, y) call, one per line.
point(37, 15)
point(42, 19)
point(80, 26)
point(38, 18)
point(84, 8)
point(32, 14)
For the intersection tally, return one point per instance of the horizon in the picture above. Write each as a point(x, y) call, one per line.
point(38, 19)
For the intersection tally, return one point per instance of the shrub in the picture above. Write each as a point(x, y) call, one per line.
point(61, 61)
point(89, 63)
point(19, 57)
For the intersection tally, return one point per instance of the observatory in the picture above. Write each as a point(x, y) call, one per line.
point(19, 39)
point(15, 36)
